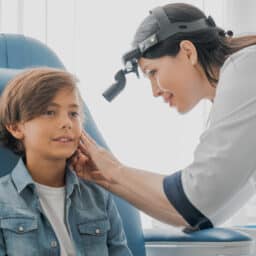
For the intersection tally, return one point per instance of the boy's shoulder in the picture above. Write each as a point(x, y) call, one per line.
point(5, 183)
point(91, 187)
point(7, 190)
point(93, 193)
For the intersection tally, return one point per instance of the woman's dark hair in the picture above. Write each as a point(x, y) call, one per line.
point(213, 45)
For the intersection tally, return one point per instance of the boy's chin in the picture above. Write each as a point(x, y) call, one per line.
point(63, 156)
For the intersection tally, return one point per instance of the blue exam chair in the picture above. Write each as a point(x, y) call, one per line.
point(18, 52)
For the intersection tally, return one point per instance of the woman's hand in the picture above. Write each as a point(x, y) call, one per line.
point(138, 187)
point(94, 163)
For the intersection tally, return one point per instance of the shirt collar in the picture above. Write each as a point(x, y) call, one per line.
point(71, 181)
point(22, 178)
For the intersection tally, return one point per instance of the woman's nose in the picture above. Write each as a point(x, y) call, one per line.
point(155, 89)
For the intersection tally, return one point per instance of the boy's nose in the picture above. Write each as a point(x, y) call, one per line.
point(66, 123)
point(66, 126)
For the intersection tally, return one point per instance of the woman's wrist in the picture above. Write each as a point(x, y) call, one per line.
point(117, 174)
point(112, 181)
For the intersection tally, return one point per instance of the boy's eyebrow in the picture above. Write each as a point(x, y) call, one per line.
point(73, 105)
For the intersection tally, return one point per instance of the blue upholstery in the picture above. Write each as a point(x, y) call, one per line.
point(207, 235)
point(18, 52)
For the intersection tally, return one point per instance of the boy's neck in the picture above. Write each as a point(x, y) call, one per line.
point(47, 172)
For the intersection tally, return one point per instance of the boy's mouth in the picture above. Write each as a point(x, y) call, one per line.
point(64, 139)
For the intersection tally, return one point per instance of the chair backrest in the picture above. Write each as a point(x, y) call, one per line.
point(18, 52)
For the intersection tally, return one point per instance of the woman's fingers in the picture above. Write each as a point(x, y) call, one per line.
point(88, 145)
point(78, 155)
point(100, 160)
point(83, 148)
point(87, 141)
point(73, 160)
point(86, 137)
point(82, 157)
point(85, 172)
point(84, 175)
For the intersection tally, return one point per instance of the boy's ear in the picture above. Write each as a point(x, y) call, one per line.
point(15, 130)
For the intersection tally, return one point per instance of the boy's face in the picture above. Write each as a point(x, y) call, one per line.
point(56, 133)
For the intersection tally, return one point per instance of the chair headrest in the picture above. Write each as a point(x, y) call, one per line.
point(6, 74)
point(18, 52)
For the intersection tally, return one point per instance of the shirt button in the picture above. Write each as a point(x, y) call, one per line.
point(21, 229)
point(54, 244)
point(97, 231)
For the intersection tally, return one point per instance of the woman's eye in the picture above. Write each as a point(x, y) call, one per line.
point(151, 73)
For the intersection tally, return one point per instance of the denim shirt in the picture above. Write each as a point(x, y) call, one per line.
point(91, 217)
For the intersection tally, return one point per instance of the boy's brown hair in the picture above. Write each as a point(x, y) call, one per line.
point(27, 96)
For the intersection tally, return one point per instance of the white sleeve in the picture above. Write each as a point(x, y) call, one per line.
point(220, 179)
point(219, 182)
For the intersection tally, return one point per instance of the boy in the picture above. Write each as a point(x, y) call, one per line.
point(45, 208)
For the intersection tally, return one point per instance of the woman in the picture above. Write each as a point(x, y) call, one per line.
point(186, 67)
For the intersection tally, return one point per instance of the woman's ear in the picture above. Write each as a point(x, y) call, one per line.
point(190, 51)
point(15, 130)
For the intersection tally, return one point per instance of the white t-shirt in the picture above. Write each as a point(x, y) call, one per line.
point(221, 178)
point(53, 203)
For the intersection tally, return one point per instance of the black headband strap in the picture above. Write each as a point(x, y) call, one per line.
point(167, 28)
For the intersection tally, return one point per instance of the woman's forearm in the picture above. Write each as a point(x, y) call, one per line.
point(141, 188)
point(144, 190)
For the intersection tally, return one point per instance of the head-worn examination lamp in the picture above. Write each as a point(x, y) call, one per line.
point(166, 30)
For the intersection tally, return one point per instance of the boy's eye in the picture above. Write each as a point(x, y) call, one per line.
point(74, 114)
point(49, 113)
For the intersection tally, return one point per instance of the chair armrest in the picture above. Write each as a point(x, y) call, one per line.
point(216, 241)
point(206, 235)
